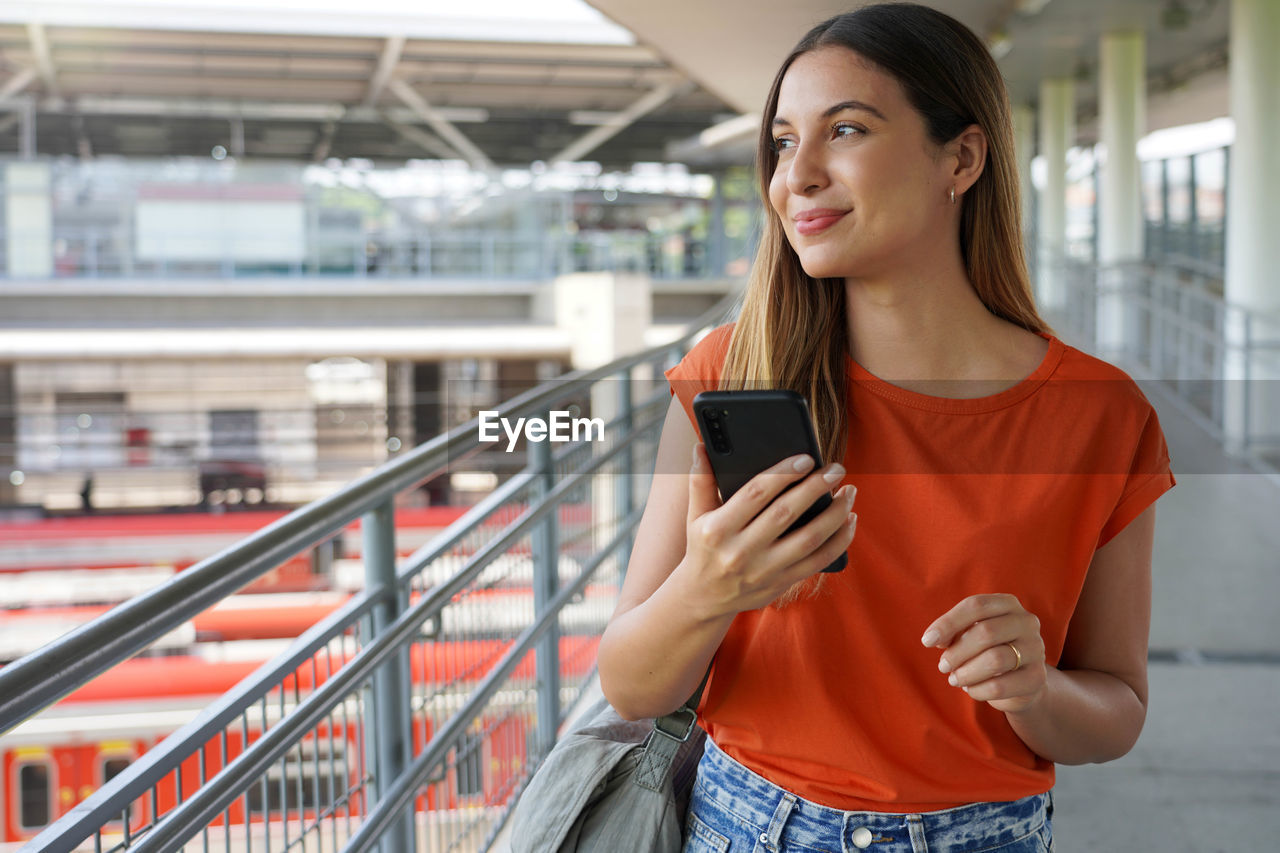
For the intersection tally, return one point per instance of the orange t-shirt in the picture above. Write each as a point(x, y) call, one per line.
point(833, 697)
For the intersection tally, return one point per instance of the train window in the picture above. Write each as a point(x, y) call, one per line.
point(113, 767)
point(35, 790)
point(469, 763)
point(304, 780)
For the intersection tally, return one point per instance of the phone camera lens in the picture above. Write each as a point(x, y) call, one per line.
point(712, 415)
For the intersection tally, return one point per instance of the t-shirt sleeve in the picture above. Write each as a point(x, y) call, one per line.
point(700, 369)
point(1148, 478)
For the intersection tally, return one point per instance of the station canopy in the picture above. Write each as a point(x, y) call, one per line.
point(494, 83)
point(506, 83)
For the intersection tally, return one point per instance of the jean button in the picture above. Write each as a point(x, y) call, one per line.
point(764, 838)
point(862, 838)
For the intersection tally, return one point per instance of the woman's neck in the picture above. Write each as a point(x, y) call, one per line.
point(916, 331)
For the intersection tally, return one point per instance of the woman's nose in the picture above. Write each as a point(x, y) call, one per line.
point(807, 172)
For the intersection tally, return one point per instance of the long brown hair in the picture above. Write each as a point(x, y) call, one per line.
point(791, 330)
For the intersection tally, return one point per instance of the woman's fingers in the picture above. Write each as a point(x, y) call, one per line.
point(741, 562)
point(968, 611)
point(703, 494)
point(764, 490)
point(818, 543)
point(993, 650)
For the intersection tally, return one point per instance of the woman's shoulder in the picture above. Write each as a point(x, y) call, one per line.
point(706, 357)
point(715, 340)
point(1092, 379)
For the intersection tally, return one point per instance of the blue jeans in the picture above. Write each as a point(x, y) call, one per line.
point(733, 810)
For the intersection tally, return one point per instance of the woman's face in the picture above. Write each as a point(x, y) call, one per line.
point(859, 188)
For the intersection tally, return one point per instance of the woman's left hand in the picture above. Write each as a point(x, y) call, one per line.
point(993, 651)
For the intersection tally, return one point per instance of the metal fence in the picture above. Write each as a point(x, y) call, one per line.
point(110, 252)
point(1219, 361)
point(410, 717)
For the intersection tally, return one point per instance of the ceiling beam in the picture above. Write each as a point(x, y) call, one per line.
point(391, 49)
point(441, 125)
point(422, 139)
point(16, 84)
point(44, 59)
point(262, 110)
point(593, 139)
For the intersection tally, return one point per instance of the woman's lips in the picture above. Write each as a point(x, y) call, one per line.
point(816, 224)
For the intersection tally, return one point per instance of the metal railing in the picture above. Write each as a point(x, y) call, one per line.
point(410, 717)
point(1220, 362)
point(108, 252)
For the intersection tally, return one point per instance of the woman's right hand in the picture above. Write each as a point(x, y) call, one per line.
point(734, 560)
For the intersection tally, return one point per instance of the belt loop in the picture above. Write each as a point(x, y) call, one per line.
point(772, 838)
point(915, 831)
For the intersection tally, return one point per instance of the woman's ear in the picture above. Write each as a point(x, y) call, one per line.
point(970, 152)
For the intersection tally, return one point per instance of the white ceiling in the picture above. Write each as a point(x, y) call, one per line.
point(733, 48)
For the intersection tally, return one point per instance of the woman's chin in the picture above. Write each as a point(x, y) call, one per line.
point(824, 268)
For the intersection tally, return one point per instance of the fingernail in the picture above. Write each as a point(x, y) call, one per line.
point(834, 474)
point(930, 638)
point(697, 460)
point(804, 463)
point(951, 679)
point(852, 494)
point(944, 665)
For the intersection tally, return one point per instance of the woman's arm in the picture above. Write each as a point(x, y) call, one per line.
point(1091, 707)
point(696, 564)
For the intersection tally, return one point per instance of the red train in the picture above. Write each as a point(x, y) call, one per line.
point(51, 763)
point(55, 761)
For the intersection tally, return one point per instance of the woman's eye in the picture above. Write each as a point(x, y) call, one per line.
point(782, 143)
point(840, 130)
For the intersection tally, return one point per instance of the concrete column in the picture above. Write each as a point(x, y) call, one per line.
point(1253, 199)
point(28, 218)
point(606, 316)
point(1122, 98)
point(1057, 132)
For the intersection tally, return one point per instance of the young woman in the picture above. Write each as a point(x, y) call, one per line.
point(994, 615)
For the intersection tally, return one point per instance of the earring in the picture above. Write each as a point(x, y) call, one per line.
point(953, 195)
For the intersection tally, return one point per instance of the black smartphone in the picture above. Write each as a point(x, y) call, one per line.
point(746, 432)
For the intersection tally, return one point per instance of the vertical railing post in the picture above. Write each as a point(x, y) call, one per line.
point(387, 712)
point(625, 482)
point(1246, 415)
point(545, 583)
point(1217, 370)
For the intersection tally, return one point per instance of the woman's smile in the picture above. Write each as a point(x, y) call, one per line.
point(817, 220)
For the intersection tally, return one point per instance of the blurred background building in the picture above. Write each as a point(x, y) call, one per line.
point(252, 251)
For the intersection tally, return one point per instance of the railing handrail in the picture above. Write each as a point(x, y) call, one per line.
point(1147, 269)
point(214, 797)
point(41, 678)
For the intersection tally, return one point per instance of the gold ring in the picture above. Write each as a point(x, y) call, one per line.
point(1018, 654)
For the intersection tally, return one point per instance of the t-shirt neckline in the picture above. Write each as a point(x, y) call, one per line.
point(862, 378)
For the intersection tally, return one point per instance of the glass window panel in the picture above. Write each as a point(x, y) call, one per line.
point(1179, 189)
point(1211, 182)
point(33, 788)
